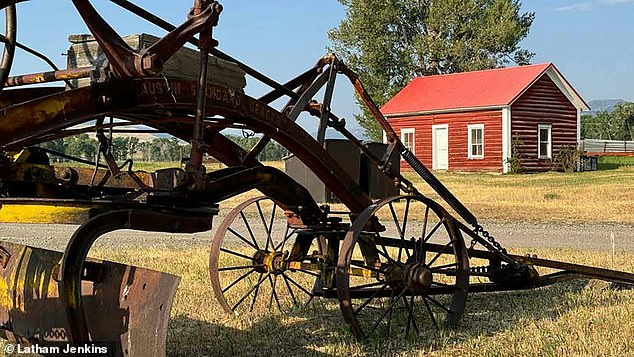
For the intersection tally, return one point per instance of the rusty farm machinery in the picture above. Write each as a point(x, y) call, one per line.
point(396, 265)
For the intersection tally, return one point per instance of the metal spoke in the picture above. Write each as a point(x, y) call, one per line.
point(439, 253)
point(365, 303)
point(442, 267)
point(367, 285)
point(431, 233)
point(290, 291)
point(273, 282)
point(431, 313)
point(246, 224)
point(235, 253)
point(260, 281)
point(238, 280)
point(268, 233)
point(398, 229)
point(438, 304)
point(257, 290)
point(422, 237)
point(242, 238)
point(404, 229)
point(390, 307)
point(410, 318)
point(271, 223)
point(296, 284)
point(359, 265)
point(442, 284)
point(308, 272)
point(385, 254)
point(240, 267)
point(280, 247)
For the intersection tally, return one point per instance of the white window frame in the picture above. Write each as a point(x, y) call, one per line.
point(548, 155)
point(471, 127)
point(406, 131)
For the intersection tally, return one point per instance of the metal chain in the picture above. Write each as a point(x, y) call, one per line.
point(486, 235)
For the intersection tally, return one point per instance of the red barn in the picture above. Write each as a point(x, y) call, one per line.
point(469, 121)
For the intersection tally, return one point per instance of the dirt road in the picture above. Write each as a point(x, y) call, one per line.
point(511, 235)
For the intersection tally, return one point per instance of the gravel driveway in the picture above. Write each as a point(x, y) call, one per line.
point(511, 235)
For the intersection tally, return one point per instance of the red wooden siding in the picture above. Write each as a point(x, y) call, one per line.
point(457, 124)
point(542, 103)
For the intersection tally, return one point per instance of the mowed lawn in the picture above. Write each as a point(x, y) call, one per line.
point(600, 196)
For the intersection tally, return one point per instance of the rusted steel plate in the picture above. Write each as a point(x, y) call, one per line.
point(127, 307)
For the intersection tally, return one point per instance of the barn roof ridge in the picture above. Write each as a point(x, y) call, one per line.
point(490, 88)
point(543, 64)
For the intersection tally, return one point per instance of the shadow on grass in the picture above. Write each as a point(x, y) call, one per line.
point(320, 331)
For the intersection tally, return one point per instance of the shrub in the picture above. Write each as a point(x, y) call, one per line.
point(515, 160)
point(566, 158)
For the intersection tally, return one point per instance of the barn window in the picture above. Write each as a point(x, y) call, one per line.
point(476, 141)
point(544, 139)
point(407, 137)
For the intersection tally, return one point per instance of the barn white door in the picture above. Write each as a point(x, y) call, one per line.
point(440, 147)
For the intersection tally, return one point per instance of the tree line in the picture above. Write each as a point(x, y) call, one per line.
point(388, 43)
point(156, 150)
point(615, 125)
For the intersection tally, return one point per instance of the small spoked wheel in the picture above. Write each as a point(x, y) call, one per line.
point(8, 40)
point(259, 263)
point(403, 269)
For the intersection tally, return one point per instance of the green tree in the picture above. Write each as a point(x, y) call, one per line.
point(389, 42)
point(81, 146)
point(624, 113)
point(615, 125)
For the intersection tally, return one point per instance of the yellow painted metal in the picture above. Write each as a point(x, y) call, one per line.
point(43, 214)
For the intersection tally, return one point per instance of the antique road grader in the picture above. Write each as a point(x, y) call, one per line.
point(397, 266)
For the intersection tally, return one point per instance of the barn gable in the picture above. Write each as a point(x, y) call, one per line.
point(477, 113)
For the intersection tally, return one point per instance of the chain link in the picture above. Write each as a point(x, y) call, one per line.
point(479, 230)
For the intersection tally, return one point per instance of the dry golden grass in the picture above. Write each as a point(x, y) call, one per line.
point(589, 197)
point(570, 319)
point(600, 196)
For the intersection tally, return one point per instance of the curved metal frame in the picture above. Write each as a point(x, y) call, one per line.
point(129, 96)
point(72, 265)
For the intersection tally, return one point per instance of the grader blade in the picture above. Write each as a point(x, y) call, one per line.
point(127, 308)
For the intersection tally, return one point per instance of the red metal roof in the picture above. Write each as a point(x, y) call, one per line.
point(488, 88)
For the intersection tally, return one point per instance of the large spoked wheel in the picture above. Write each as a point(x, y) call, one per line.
point(258, 262)
point(8, 40)
point(406, 274)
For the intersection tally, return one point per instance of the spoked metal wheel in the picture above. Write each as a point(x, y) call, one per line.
point(258, 262)
point(403, 268)
point(8, 39)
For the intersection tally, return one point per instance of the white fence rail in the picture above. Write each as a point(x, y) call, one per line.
point(607, 146)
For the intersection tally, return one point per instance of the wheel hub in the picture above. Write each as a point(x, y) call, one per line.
point(270, 262)
point(416, 278)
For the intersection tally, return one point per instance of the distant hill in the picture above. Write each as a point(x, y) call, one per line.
point(598, 105)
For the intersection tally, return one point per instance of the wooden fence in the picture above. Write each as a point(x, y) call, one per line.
point(595, 147)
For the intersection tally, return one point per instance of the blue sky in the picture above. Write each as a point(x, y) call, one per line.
point(590, 41)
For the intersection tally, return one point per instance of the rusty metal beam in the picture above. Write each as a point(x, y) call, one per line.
point(51, 76)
